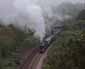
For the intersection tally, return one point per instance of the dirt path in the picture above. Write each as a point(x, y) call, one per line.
point(40, 63)
point(32, 59)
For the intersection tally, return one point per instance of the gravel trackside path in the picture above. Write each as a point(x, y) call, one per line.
point(32, 59)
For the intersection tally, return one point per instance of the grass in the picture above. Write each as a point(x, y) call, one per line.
point(11, 40)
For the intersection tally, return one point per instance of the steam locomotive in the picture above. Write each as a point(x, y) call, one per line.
point(45, 44)
point(47, 41)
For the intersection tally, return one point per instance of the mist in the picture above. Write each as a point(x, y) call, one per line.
point(37, 15)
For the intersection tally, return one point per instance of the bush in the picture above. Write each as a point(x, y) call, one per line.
point(11, 40)
point(68, 51)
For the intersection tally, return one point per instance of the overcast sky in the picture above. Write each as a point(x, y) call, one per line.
point(34, 9)
point(7, 8)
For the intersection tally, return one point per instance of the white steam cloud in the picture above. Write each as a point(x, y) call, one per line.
point(35, 17)
point(38, 15)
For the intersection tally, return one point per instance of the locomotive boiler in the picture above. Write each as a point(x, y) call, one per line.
point(45, 43)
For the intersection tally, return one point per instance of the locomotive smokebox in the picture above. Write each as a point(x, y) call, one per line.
point(43, 46)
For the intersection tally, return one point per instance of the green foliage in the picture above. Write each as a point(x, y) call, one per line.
point(81, 15)
point(68, 51)
point(11, 40)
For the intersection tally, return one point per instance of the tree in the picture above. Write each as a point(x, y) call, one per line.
point(81, 15)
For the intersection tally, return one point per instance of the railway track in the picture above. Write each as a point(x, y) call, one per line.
point(33, 60)
point(29, 59)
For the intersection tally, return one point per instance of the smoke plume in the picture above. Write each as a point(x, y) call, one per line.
point(37, 15)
